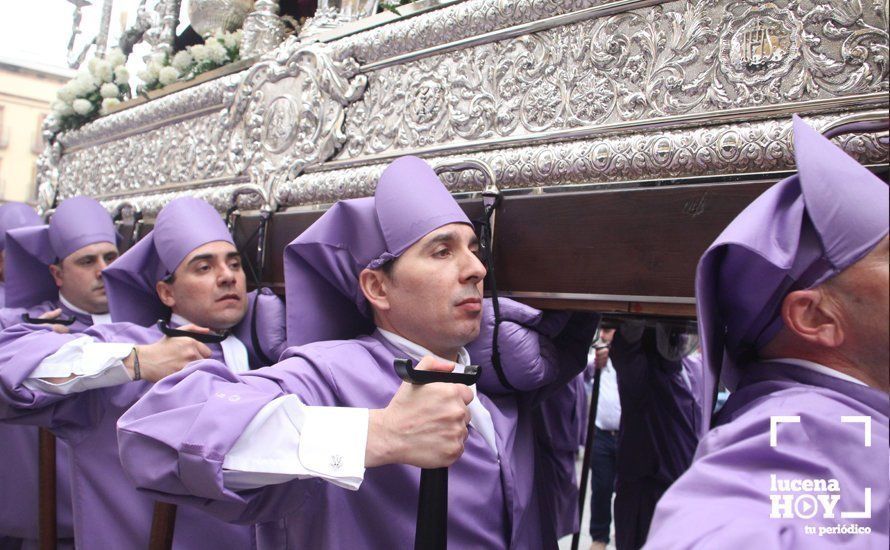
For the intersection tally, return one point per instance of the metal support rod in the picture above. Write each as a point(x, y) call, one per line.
point(588, 455)
point(432, 510)
point(46, 513)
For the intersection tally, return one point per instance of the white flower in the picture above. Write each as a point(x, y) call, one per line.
point(83, 84)
point(231, 39)
point(82, 106)
point(103, 71)
point(199, 52)
point(116, 57)
point(108, 103)
point(91, 64)
point(150, 74)
point(62, 108)
point(121, 74)
point(109, 90)
point(66, 93)
point(217, 53)
point(182, 61)
point(168, 75)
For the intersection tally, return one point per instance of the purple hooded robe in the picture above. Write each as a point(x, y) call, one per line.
point(492, 503)
point(658, 433)
point(12, 216)
point(77, 222)
point(758, 480)
point(108, 510)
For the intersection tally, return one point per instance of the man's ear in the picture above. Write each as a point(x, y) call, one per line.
point(813, 316)
point(373, 285)
point(56, 271)
point(165, 293)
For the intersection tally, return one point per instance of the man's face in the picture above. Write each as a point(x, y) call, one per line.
point(435, 290)
point(208, 288)
point(79, 276)
point(863, 292)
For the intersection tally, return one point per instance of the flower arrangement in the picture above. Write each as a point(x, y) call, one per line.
point(217, 50)
point(102, 85)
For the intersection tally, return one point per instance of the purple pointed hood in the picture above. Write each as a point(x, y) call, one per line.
point(322, 265)
point(76, 223)
point(182, 226)
point(799, 233)
point(14, 215)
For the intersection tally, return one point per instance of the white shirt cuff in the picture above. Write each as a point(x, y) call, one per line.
point(93, 365)
point(289, 440)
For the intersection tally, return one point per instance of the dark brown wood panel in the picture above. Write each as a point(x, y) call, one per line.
point(627, 242)
point(642, 242)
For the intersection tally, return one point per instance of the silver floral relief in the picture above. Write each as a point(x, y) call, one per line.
point(286, 113)
point(463, 20)
point(149, 204)
point(763, 146)
point(181, 152)
point(671, 59)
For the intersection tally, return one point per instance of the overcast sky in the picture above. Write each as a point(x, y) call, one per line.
point(37, 31)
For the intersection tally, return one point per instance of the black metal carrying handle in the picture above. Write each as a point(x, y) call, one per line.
point(57, 321)
point(209, 338)
point(432, 503)
point(406, 371)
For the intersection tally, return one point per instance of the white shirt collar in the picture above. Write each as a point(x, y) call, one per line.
point(179, 319)
point(98, 318)
point(417, 352)
point(828, 371)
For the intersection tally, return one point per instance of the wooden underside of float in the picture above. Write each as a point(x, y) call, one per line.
point(630, 251)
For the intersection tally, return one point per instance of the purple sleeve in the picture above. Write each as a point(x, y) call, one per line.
point(10, 316)
point(22, 348)
point(174, 440)
point(263, 329)
point(564, 417)
point(529, 356)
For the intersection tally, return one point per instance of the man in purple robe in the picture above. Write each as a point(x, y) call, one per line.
point(373, 280)
point(527, 339)
point(659, 420)
point(12, 216)
point(79, 383)
point(187, 269)
point(54, 274)
point(793, 315)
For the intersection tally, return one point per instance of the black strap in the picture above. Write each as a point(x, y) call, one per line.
point(256, 274)
point(256, 271)
point(254, 335)
point(486, 242)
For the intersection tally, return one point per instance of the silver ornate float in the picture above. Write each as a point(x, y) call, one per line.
point(550, 93)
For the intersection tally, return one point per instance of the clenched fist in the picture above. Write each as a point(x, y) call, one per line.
point(423, 425)
point(168, 355)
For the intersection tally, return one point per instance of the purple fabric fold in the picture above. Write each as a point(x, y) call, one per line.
point(797, 234)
